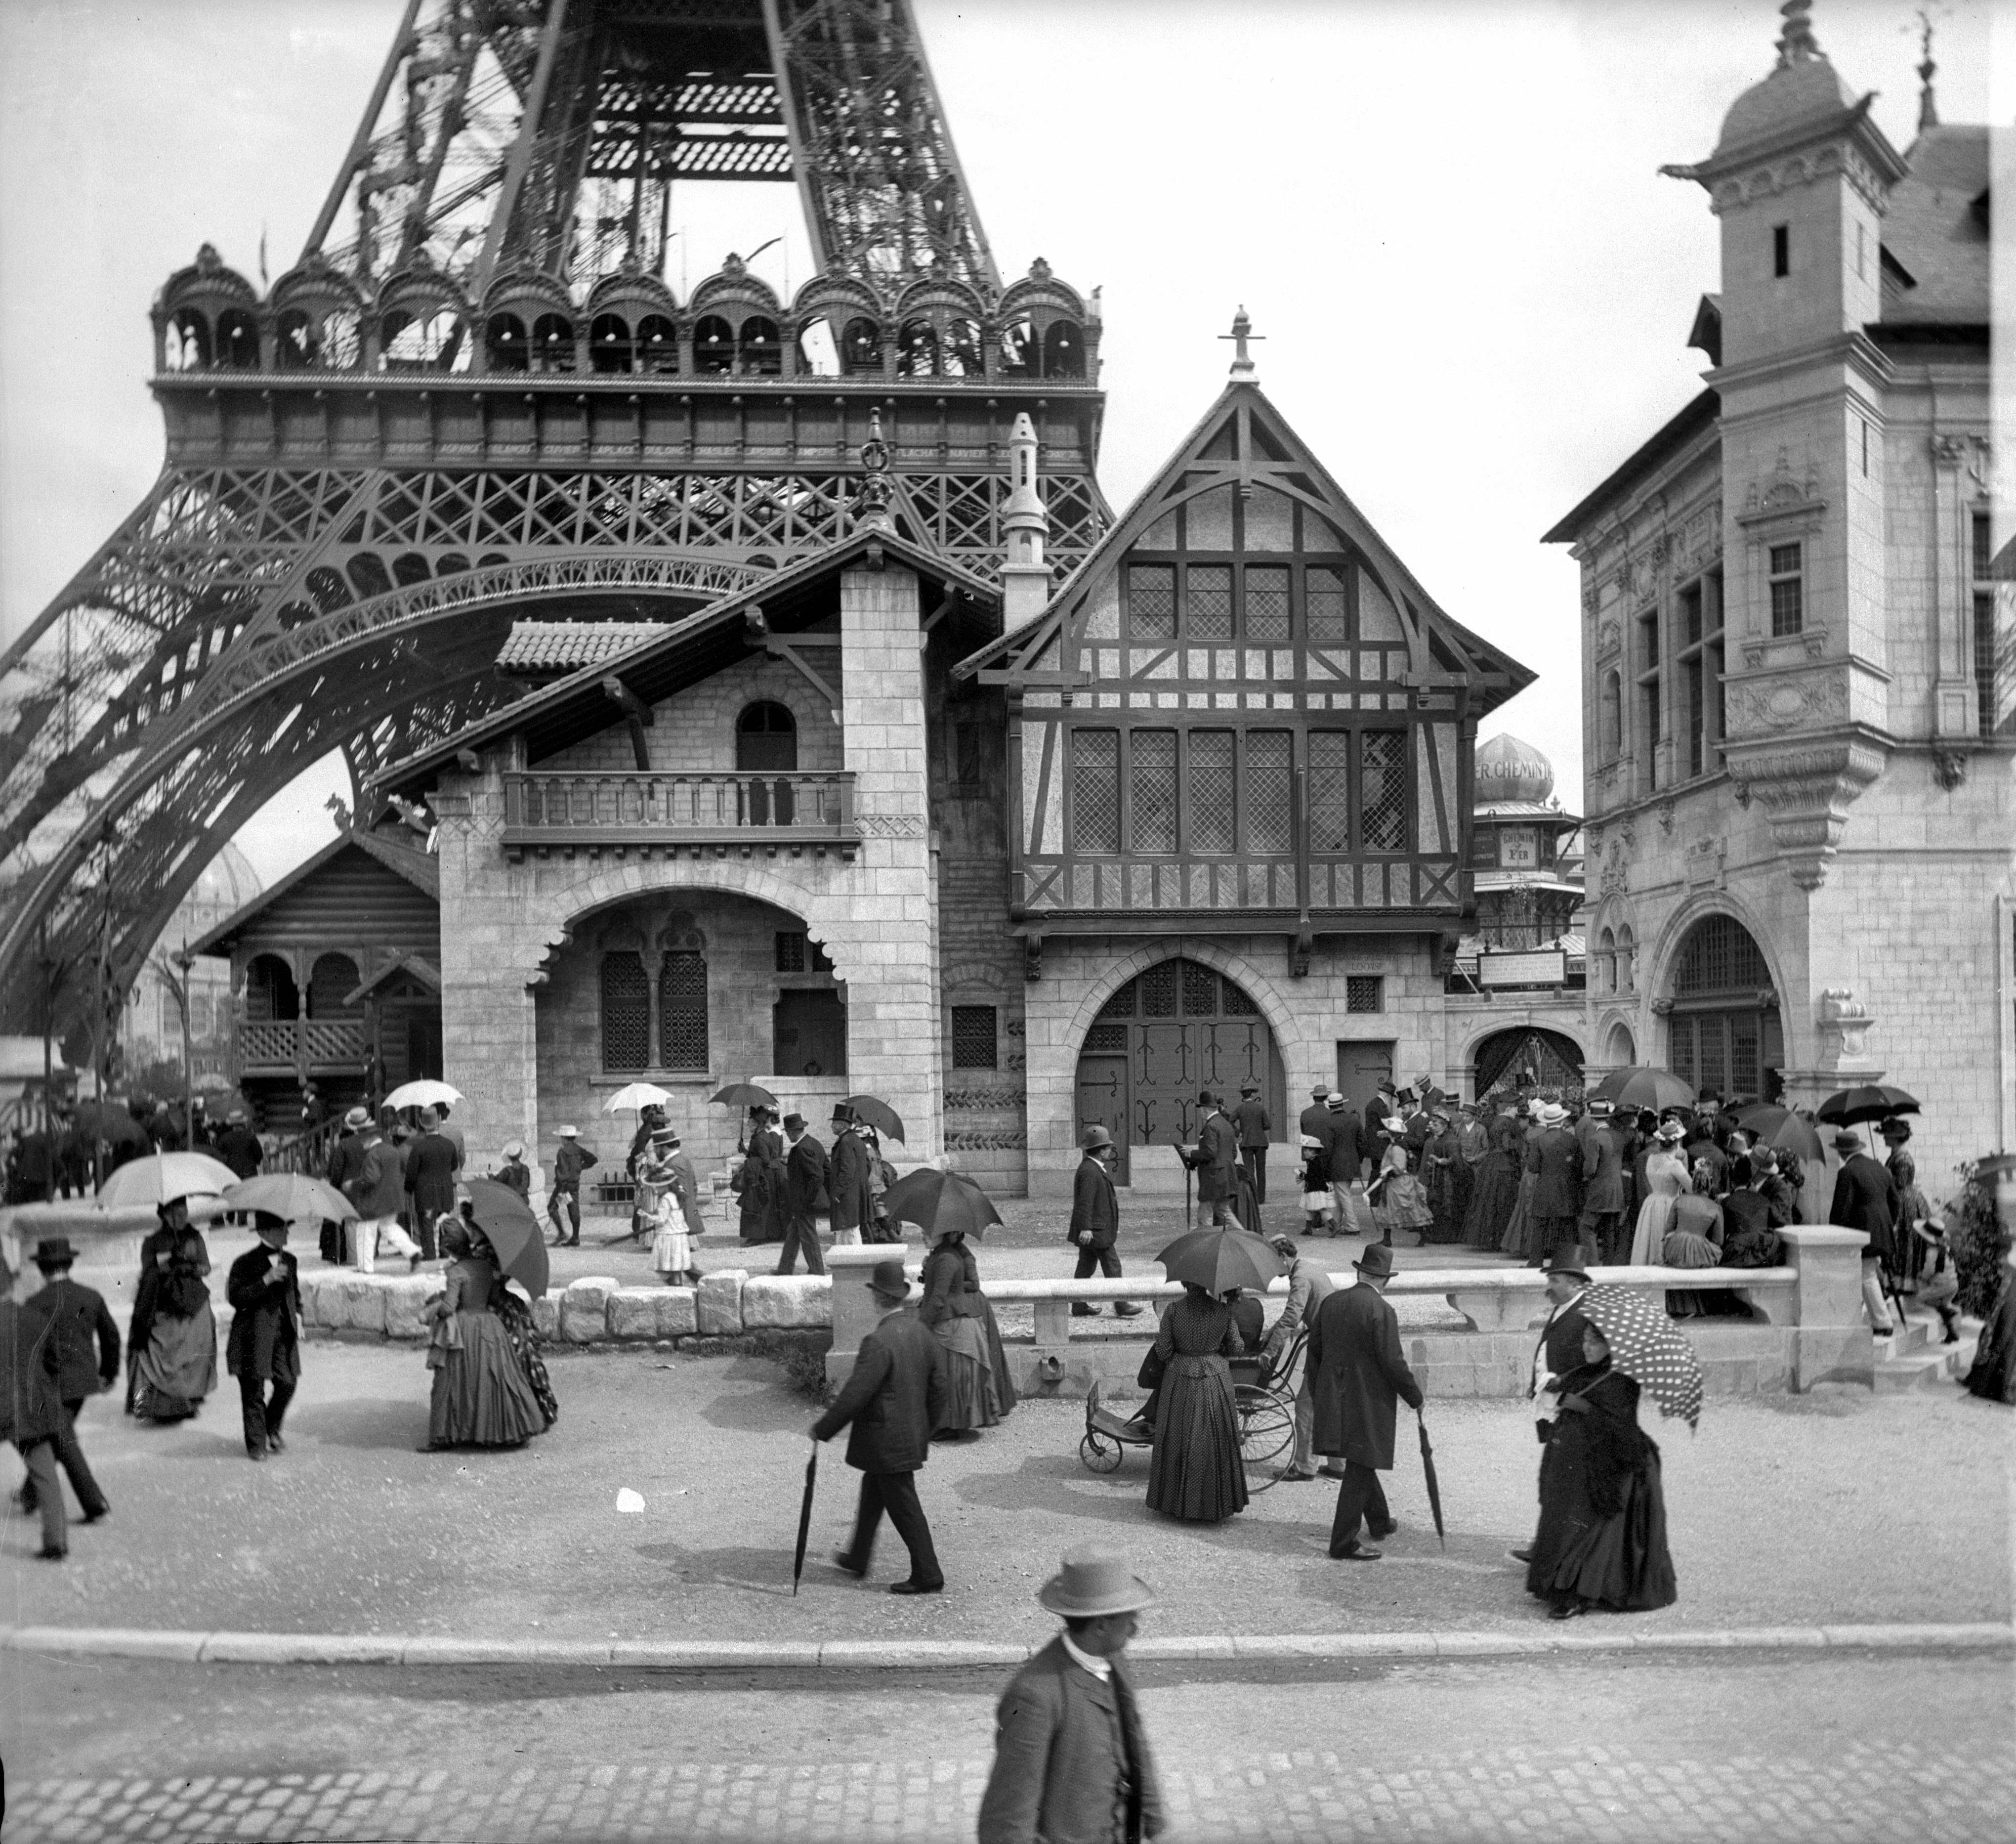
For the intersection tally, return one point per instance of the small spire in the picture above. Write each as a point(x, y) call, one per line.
point(1798, 42)
point(871, 506)
point(1242, 332)
point(1928, 108)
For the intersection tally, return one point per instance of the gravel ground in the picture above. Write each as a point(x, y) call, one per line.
point(1839, 1506)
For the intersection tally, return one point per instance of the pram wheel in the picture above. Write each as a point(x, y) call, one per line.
point(1100, 1454)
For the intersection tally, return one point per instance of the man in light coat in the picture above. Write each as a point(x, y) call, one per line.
point(1360, 1374)
point(378, 1188)
point(1308, 1287)
point(1072, 1762)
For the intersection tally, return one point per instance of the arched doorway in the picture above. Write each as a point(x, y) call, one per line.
point(1526, 1057)
point(1725, 1031)
point(1176, 1028)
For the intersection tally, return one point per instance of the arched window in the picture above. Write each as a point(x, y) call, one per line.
point(682, 1009)
point(761, 352)
point(186, 346)
point(329, 589)
point(505, 346)
point(1725, 1030)
point(917, 350)
point(1606, 962)
point(626, 1012)
point(657, 344)
point(237, 341)
point(368, 575)
point(428, 341)
point(963, 357)
point(714, 346)
point(609, 348)
point(331, 981)
point(409, 567)
point(1610, 733)
point(861, 348)
point(1618, 1049)
point(1627, 974)
point(766, 746)
point(1020, 348)
point(553, 343)
point(1063, 350)
point(270, 991)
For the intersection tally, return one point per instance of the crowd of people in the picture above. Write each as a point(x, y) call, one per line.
point(82, 1143)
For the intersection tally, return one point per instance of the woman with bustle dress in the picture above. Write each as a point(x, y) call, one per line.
point(956, 1311)
point(1399, 1202)
point(758, 1181)
point(172, 1336)
point(1667, 1179)
point(482, 1394)
point(1196, 1473)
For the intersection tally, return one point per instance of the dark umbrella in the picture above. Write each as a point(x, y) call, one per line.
point(1219, 1260)
point(1871, 1102)
point(101, 1120)
point(1779, 1128)
point(937, 1201)
point(744, 1095)
point(878, 1114)
point(506, 1219)
point(1435, 1485)
point(805, 1517)
point(1642, 1087)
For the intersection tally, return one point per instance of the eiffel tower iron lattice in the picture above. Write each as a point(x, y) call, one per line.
point(475, 399)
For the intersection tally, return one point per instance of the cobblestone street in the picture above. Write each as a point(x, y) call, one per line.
point(1782, 1749)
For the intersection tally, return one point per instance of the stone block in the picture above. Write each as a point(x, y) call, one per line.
point(585, 1308)
point(546, 1316)
point(720, 1303)
point(787, 1300)
point(651, 1312)
point(354, 1302)
point(406, 1304)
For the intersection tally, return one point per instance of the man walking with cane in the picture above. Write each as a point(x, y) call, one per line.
point(1355, 1357)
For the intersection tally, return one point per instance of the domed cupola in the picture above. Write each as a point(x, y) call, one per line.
point(1509, 770)
point(1804, 91)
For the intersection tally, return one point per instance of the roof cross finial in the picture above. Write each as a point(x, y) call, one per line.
point(1241, 333)
point(1928, 108)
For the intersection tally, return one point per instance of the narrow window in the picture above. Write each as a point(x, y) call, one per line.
point(1364, 992)
point(1266, 602)
point(682, 1009)
point(1151, 791)
point(1788, 602)
point(626, 1012)
point(1781, 250)
point(1269, 800)
point(1861, 250)
point(791, 953)
point(1209, 614)
point(1610, 736)
point(1327, 610)
point(1865, 451)
point(1984, 548)
point(1330, 791)
point(1984, 664)
point(1095, 790)
point(1151, 602)
point(974, 1034)
point(1382, 791)
point(1212, 809)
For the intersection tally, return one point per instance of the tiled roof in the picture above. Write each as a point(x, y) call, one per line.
point(1931, 229)
point(567, 646)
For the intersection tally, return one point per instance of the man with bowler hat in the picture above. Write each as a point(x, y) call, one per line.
point(1071, 1764)
point(1094, 1220)
point(894, 1401)
point(1249, 1117)
point(805, 1196)
point(1354, 1355)
point(1865, 1198)
point(264, 1290)
point(81, 1347)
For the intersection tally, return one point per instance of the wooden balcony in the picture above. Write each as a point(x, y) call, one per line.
point(614, 808)
point(276, 1047)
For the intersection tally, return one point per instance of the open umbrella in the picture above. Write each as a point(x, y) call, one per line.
point(507, 1219)
point(1435, 1485)
point(163, 1176)
point(1779, 1128)
point(1871, 1102)
point(293, 1195)
point(805, 1517)
point(1644, 1346)
point(744, 1095)
point(936, 1201)
point(105, 1120)
point(878, 1114)
point(423, 1094)
point(635, 1097)
point(1641, 1087)
point(1219, 1260)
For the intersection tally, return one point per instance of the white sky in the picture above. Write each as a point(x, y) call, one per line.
point(1447, 220)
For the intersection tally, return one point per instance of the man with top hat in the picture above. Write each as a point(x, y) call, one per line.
point(1558, 1348)
point(263, 1351)
point(1603, 1145)
point(1094, 1220)
point(893, 1401)
point(570, 1160)
point(1071, 1763)
point(1359, 1374)
point(805, 1197)
point(238, 1146)
point(80, 1349)
point(1865, 1198)
point(1555, 1204)
point(847, 1180)
point(1346, 1164)
point(1251, 1122)
point(32, 1417)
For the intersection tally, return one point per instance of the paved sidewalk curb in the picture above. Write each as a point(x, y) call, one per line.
point(929, 1655)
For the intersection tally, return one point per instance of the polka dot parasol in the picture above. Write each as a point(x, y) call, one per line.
point(1647, 1346)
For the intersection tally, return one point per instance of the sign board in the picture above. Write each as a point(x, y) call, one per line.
point(1519, 848)
point(1547, 966)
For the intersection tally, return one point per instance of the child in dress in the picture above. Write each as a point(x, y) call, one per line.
point(669, 1192)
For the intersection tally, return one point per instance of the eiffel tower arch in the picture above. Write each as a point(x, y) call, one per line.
point(475, 399)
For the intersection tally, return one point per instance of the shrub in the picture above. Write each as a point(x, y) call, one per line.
point(802, 1355)
point(1979, 1239)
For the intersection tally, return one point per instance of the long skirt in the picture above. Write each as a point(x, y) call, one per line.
point(179, 1367)
point(1993, 1374)
point(515, 1317)
point(671, 1247)
point(1519, 1229)
point(997, 1358)
point(481, 1397)
point(1196, 1473)
point(970, 1401)
point(1491, 1201)
point(1403, 1205)
point(1620, 1561)
point(1449, 1201)
point(1648, 1236)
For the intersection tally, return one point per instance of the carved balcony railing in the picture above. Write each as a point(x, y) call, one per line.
point(277, 1044)
point(613, 807)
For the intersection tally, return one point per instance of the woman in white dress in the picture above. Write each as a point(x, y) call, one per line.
point(1665, 1179)
point(669, 1198)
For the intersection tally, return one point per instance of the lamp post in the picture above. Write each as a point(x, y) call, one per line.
point(185, 960)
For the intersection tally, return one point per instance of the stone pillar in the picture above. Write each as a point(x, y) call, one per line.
point(1831, 1342)
point(855, 1309)
point(886, 950)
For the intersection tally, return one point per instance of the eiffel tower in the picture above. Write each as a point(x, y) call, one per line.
point(475, 399)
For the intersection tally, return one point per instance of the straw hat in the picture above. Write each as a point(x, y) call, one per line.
point(514, 1149)
point(570, 1132)
point(1093, 1581)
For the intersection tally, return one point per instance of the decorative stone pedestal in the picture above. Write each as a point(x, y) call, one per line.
point(855, 1309)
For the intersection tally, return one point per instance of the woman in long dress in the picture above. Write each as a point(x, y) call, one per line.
point(1694, 1240)
point(1666, 1178)
point(1602, 1538)
point(173, 1330)
point(954, 1310)
point(1517, 1239)
point(1196, 1473)
point(481, 1397)
point(758, 1183)
point(1497, 1187)
point(1447, 1182)
point(1401, 1202)
point(1908, 1258)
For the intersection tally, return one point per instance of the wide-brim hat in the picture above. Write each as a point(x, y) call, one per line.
point(514, 1149)
point(570, 1132)
point(1377, 1261)
point(1249, 1088)
point(1337, 1104)
point(888, 1279)
point(1320, 1090)
point(1393, 1124)
point(1599, 1105)
point(1093, 1581)
point(1552, 1114)
point(235, 1118)
point(357, 1116)
point(1671, 1132)
point(54, 1251)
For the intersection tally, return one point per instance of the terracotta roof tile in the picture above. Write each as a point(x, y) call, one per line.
point(567, 646)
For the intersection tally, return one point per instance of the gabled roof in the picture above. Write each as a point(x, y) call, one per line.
point(415, 966)
point(684, 654)
point(417, 867)
point(1704, 413)
point(1243, 428)
point(545, 649)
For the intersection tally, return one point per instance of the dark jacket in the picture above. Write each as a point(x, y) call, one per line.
point(1602, 1171)
point(847, 1181)
point(570, 1162)
point(431, 1162)
point(1555, 1159)
point(1561, 1338)
point(893, 1400)
point(1349, 1151)
point(377, 1187)
point(1356, 1373)
point(345, 1161)
point(1217, 1154)
point(1319, 1123)
point(1249, 1117)
point(518, 1175)
point(238, 1147)
point(266, 1316)
point(1094, 1219)
point(1865, 1198)
point(30, 1411)
point(75, 1319)
point(805, 1174)
point(1061, 1740)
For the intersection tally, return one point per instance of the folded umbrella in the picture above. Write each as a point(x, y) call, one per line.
point(1219, 1260)
point(1850, 1107)
point(166, 1175)
point(1645, 1346)
point(744, 1095)
point(805, 1517)
point(937, 1202)
point(1435, 1485)
point(635, 1097)
point(877, 1114)
point(292, 1195)
point(1641, 1087)
point(513, 1232)
point(423, 1094)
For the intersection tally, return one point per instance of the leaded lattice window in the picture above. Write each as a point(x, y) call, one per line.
point(1200, 991)
point(1213, 813)
point(791, 953)
point(1210, 615)
point(626, 1012)
point(1720, 956)
point(1095, 787)
point(1270, 809)
point(1787, 577)
point(1267, 602)
point(1237, 1002)
point(1330, 791)
point(1151, 602)
point(1382, 791)
point(1151, 787)
point(974, 1036)
point(1121, 1004)
point(1364, 992)
point(1328, 612)
point(1158, 990)
point(682, 1009)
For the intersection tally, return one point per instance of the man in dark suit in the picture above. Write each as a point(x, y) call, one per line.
point(31, 1416)
point(1557, 1350)
point(239, 1146)
point(894, 1402)
point(1250, 1119)
point(805, 1180)
point(847, 1177)
point(264, 1289)
point(1865, 1198)
point(1070, 1759)
point(1553, 1157)
point(1095, 1221)
point(1217, 1154)
point(1346, 1158)
point(1354, 1357)
point(81, 1351)
point(1603, 1148)
point(432, 1162)
point(346, 1161)
point(1319, 1123)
